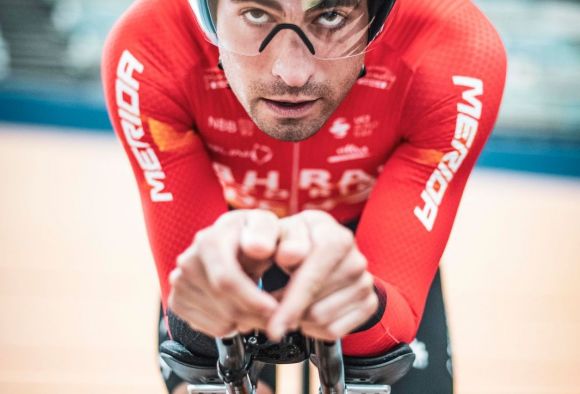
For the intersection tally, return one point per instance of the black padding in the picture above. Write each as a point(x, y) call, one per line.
point(384, 369)
point(188, 366)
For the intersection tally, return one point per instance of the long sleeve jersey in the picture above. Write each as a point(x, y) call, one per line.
point(396, 153)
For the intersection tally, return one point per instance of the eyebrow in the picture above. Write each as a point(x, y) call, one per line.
point(335, 3)
point(324, 4)
point(268, 3)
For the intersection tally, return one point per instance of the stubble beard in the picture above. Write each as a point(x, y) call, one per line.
point(288, 129)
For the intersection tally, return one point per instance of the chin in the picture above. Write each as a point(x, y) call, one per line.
point(290, 130)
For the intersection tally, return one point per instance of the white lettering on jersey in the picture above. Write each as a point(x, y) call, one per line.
point(223, 125)
point(261, 189)
point(349, 152)
point(466, 127)
point(259, 154)
point(127, 98)
point(317, 182)
point(271, 183)
point(364, 126)
point(378, 77)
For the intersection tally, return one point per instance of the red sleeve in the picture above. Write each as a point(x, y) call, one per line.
point(180, 193)
point(451, 106)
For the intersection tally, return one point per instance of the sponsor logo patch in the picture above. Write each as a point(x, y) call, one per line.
point(349, 152)
point(378, 77)
point(339, 128)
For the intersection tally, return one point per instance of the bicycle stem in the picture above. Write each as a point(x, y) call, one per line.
point(233, 365)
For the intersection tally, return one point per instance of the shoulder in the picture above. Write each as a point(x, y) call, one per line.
point(420, 27)
point(460, 68)
point(153, 58)
point(161, 37)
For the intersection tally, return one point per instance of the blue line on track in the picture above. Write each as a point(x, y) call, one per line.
point(530, 155)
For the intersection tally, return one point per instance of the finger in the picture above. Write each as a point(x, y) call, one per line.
point(195, 301)
point(217, 254)
point(189, 261)
point(259, 234)
point(339, 303)
point(221, 308)
point(347, 272)
point(331, 243)
point(200, 320)
point(197, 298)
point(254, 268)
point(351, 320)
point(294, 244)
point(344, 324)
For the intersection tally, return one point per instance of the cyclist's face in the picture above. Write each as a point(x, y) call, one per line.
point(288, 92)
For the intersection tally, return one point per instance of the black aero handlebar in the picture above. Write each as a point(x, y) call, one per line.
point(241, 358)
point(234, 365)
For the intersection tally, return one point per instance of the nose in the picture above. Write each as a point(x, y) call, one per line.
point(293, 63)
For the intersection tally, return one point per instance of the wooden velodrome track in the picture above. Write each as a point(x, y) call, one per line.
point(79, 299)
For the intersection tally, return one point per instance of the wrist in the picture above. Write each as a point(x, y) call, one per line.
point(376, 317)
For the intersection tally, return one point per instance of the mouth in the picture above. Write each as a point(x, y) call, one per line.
point(290, 109)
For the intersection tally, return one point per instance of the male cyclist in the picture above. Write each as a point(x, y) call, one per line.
point(271, 131)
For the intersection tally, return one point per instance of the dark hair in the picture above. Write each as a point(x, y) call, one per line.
point(381, 9)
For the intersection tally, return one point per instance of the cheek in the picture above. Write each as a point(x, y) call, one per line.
point(241, 72)
point(343, 75)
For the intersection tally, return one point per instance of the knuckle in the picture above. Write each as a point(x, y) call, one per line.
point(265, 215)
point(341, 240)
point(316, 215)
point(317, 317)
point(360, 259)
point(175, 276)
point(182, 259)
point(355, 270)
point(346, 236)
point(206, 237)
point(201, 236)
point(231, 218)
point(224, 282)
point(368, 281)
point(333, 333)
point(371, 305)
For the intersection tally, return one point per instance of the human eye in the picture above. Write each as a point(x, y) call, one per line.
point(256, 16)
point(331, 20)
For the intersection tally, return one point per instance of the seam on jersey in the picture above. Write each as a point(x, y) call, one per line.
point(295, 170)
point(388, 332)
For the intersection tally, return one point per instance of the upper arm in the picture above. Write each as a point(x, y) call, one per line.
point(179, 190)
point(450, 110)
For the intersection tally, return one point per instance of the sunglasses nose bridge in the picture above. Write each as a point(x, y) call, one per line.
point(290, 26)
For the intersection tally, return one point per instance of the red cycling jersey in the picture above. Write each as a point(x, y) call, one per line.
point(397, 152)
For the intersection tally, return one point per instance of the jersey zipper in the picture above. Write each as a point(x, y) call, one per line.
point(294, 186)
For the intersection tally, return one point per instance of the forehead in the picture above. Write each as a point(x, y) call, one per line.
point(303, 5)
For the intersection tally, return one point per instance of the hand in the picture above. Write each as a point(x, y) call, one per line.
point(213, 285)
point(330, 292)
